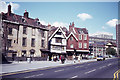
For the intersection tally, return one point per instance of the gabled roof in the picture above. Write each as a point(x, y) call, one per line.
point(54, 30)
point(19, 19)
point(81, 30)
point(71, 33)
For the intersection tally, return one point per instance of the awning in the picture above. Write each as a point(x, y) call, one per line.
point(44, 50)
point(57, 53)
point(11, 51)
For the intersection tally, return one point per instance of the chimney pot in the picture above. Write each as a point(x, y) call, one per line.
point(26, 14)
point(9, 9)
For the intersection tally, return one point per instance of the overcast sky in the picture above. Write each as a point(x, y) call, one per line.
point(97, 17)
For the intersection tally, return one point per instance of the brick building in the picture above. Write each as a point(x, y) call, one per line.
point(23, 36)
point(77, 41)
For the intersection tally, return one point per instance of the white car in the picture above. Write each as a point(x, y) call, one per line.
point(100, 58)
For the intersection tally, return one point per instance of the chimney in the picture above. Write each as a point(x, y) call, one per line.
point(26, 14)
point(9, 9)
point(49, 26)
point(70, 28)
point(36, 19)
point(72, 24)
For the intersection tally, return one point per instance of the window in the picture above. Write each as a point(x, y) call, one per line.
point(85, 45)
point(33, 42)
point(33, 31)
point(62, 48)
point(71, 38)
point(80, 37)
point(85, 37)
point(42, 43)
point(10, 31)
point(9, 42)
point(24, 41)
point(59, 33)
point(24, 30)
point(71, 46)
point(58, 40)
point(80, 45)
point(42, 33)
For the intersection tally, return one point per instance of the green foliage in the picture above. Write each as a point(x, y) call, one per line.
point(110, 51)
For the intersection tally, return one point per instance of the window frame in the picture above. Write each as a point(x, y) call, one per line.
point(33, 42)
point(24, 41)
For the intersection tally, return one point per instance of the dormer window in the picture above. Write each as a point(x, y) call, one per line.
point(23, 19)
point(38, 23)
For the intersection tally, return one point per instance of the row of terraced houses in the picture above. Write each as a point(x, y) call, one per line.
point(24, 37)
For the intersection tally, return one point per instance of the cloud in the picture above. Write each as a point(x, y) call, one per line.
point(58, 24)
point(112, 23)
point(4, 6)
point(103, 27)
point(84, 16)
point(99, 32)
point(43, 22)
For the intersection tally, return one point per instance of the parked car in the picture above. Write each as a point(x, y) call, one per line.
point(100, 58)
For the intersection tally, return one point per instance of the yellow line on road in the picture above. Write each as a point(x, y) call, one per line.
point(116, 75)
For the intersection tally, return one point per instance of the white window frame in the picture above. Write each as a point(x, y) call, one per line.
point(80, 45)
point(71, 45)
point(85, 37)
point(85, 45)
point(80, 37)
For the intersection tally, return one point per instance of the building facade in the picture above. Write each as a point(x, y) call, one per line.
point(57, 42)
point(103, 35)
point(98, 45)
point(23, 36)
point(77, 41)
point(118, 38)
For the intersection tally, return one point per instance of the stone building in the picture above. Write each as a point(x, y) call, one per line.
point(23, 36)
point(98, 45)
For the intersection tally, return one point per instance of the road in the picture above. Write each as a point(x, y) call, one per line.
point(98, 69)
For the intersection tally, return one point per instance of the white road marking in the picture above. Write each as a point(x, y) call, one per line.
point(109, 64)
point(88, 64)
point(78, 66)
point(33, 76)
point(90, 71)
point(59, 70)
point(74, 76)
point(102, 67)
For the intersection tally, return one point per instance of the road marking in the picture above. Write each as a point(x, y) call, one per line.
point(89, 64)
point(59, 70)
point(109, 64)
point(78, 66)
point(34, 76)
point(74, 76)
point(102, 67)
point(116, 75)
point(90, 71)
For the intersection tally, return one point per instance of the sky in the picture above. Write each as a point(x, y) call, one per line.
point(97, 17)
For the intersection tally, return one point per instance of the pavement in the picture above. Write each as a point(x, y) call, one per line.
point(24, 65)
point(95, 69)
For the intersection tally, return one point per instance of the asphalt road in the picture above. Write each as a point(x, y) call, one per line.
point(98, 69)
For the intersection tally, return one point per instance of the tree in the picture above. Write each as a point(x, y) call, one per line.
point(110, 51)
